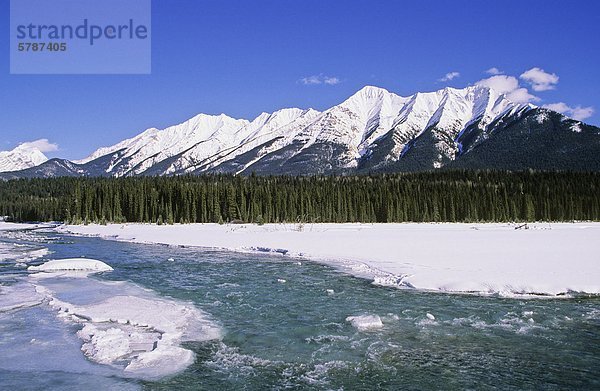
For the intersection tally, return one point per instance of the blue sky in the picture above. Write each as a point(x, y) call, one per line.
point(246, 57)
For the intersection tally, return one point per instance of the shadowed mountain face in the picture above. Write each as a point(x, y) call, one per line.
point(372, 131)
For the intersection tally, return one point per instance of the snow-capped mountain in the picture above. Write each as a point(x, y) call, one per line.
point(201, 134)
point(22, 157)
point(372, 131)
point(293, 140)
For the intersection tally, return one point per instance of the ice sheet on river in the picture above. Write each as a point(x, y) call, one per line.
point(20, 295)
point(127, 326)
point(546, 259)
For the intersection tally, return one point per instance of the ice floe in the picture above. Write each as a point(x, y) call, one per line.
point(21, 253)
point(72, 264)
point(137, 330)
point(365, 322)
point(20, 295)
point(122, 325)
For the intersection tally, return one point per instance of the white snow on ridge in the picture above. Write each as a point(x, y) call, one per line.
point(22, 157)
point(374, 109)
point(153, 145)
point(206, 141)
point(553, 259)
point(281, 126)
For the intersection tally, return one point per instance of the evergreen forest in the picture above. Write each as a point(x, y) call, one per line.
point(441, 196)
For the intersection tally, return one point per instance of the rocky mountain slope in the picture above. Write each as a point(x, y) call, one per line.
point(372, 131)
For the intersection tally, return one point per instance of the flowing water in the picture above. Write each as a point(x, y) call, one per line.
point(285, 323)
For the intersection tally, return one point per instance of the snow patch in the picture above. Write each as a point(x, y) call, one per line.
point(576, 127)
point(542, 116)
point(4, 226)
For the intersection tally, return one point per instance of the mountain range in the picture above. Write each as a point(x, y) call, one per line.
point(372, 131)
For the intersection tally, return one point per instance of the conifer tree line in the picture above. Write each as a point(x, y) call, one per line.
point(443, 196)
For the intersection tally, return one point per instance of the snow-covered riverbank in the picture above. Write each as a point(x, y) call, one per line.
point(4, 226)
point(547, 259)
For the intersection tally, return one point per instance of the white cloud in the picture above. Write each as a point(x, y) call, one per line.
point(494, 71)
point(560, 107)
point(539, 79)
point(449, 76)
point(310, 80)
point(508, 85)
point(42, 144)
point(331, 81)
point(501, 83)
point(579, 113)
point(320, 79)
point(522, 95)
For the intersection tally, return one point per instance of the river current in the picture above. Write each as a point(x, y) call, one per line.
point(274, 322)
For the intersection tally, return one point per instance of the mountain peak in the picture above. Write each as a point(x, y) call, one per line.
point(23, 156)
point(370, 97)
point(203, 118)
point(372, 89)
point(370, 92)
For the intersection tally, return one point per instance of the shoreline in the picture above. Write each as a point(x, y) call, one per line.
point(547, 260)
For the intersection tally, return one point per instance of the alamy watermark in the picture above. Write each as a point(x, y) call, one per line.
point(80, 37)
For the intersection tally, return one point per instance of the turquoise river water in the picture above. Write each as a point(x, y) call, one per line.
point(292, 324)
